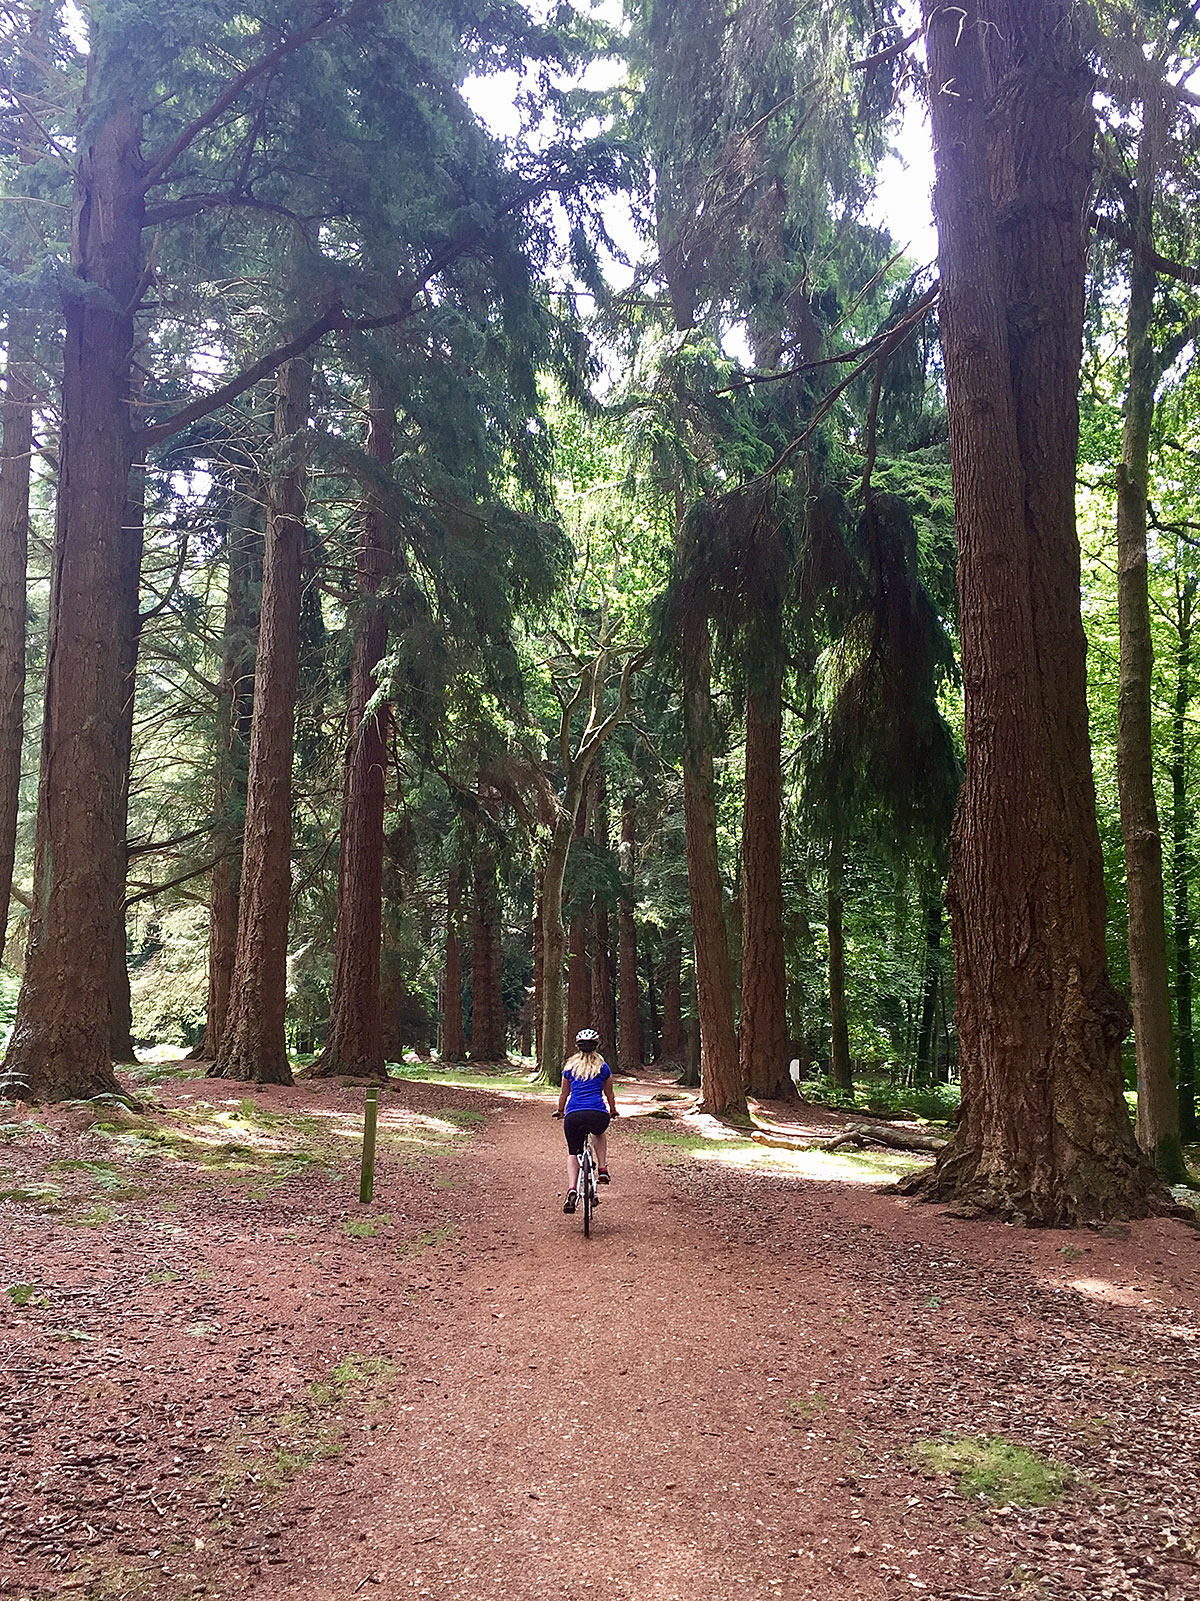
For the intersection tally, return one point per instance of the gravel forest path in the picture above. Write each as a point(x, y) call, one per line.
point(718, 1394)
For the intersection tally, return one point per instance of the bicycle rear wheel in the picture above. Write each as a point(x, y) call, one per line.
point(587, 1185)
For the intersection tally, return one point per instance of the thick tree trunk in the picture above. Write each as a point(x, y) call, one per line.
point(539, 1004)
point(355, 1043)
point(929, 991)
point(60, 1041)
point(1043, 1132)
point(235, 710)
point(254, 1045)
point(454, 1041)
point(579, 989)
point(487, 1045)
point(1181, 864)
point(722, 1088)
point(674, 1042)
point(134, 532)
point(554, 938)
point(650, 1036)
point(603, 967)
point(1158, 1104)
point(16, 459)
point(839, 1031)
point(763, 1036)
point(629, 1056)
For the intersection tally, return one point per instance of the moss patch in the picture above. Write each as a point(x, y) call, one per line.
point(996, 1468)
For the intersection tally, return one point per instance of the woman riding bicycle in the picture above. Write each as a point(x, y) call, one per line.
point(586, 1085)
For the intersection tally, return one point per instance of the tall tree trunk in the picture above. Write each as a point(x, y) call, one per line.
point(16, 461)
point(763, 1037)
point(839, 1032)
point(60, 1041)
point(1043, 1132)
point(722, 1088)
point(1181, 864)
point(650, 1038)
point(554, 937)
point(674, 1043)
point(1158, 1104)
point(539, 1005)
point(134, 533)
point(254, 1045)
point(629, 1056)
point(929, 991)
point(486, 1045)
point(579, 989)
point(235, 710)
point(355, 1043)
point(603, 984)
point(454, 1043)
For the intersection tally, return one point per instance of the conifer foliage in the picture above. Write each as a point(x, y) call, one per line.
point(496, 535)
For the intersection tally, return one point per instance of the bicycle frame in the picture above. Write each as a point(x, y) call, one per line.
point(587, 1184)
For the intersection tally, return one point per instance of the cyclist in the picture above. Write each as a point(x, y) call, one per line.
point(586, 1085)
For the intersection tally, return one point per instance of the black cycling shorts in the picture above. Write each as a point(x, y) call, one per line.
point(578, 1125)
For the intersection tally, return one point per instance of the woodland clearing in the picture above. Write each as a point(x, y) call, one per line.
point(224, 1377)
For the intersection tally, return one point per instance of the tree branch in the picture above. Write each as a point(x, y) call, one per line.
point(161, 164)
point(1110, 228)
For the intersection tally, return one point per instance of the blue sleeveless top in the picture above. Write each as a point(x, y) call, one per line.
point(587, 1094)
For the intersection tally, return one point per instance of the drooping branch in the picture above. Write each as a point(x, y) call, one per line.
point(161, 164)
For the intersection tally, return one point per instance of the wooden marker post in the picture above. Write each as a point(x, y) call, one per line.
point(366, 1186)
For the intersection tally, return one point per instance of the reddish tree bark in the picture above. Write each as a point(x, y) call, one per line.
point(629, 1034)
point(603, 963)
point(254, 1045)
point(579, 988)
point(722, 1088)
point(60, 1041)
point(16, 456)
point(839, 1030)
point(454, 1042)
point(132, 543)
point(235, 708)
point(355, 1043)
point(1157, 1126)
point(486, 1044)
point(763, 1036)
point(674, 1040)
point(1043, 1132)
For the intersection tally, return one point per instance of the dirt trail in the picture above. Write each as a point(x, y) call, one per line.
point(717, 1395)
point(603, 1416)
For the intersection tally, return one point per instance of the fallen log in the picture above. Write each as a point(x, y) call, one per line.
point(859, 1134)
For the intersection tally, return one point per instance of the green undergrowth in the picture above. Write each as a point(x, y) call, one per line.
point(675, 1145)
point(995, 1468)
point(271, 1450)
point(429, 1241)
point(466, 1077)
point(936, 1103)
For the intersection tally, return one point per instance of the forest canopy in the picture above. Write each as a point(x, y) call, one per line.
point(498, 535)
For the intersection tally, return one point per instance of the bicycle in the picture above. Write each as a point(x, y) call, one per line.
point(587, 1188)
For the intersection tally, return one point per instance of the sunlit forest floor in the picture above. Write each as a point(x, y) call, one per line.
point(764, 1375)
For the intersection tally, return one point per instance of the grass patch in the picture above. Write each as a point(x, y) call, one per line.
point(23, 1295)
point(936, 1103)
point(462, 1117)
point(364, 1228)
point(47, 1196)
point(996, 1468)
point(95, 1218)
point(428, 1241)
point(808, 1406)
point(161, 1276)
point(844, 1166)
point(270, 1452)
point(470, 1078)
